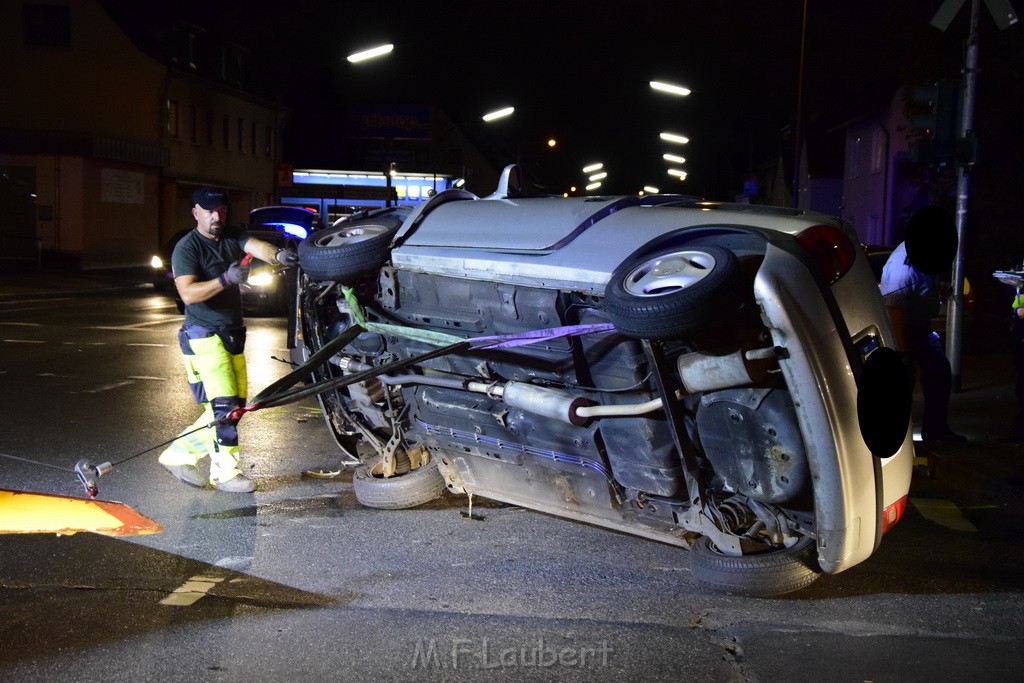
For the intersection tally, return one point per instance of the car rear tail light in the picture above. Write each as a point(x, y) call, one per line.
point(832, 251)
point(892, 514)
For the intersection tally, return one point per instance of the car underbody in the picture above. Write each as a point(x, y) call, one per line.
point(717, 418)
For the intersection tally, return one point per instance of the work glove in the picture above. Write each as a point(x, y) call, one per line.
point(236, 274)
point(287, 257)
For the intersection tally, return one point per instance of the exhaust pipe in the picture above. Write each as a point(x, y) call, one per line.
point(702, 371)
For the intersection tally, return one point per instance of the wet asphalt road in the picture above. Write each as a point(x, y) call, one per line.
point(298, 582)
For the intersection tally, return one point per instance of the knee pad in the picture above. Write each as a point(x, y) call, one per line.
point(227, 433)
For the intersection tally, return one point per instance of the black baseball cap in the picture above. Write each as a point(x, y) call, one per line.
point(209, 198)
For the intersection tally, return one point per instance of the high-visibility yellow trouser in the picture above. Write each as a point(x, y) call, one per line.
point(219, 382)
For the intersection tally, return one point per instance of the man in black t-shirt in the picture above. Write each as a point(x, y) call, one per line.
point(208, 264)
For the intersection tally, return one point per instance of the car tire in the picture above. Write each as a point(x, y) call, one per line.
point(406, 490)
point(672, 292)
point(762, 575)
point(348, 251)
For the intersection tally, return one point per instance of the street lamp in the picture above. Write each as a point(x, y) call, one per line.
point(677, 172)
point(507, 143)
point(371, 53)
point(590, 168)
point(498, 114)
point(673, 137)
point(673, 158)
point(670, 89)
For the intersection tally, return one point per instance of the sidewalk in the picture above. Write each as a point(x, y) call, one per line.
point(989, 466)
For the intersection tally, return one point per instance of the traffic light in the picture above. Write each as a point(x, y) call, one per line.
point(922, 111)
point(935, 118)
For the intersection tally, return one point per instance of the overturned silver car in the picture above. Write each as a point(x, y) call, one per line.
point(717, 377)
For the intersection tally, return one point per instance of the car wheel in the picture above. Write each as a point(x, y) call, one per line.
point(400, 491)
point(762, 575)
point(671, 292)
point(348, 251)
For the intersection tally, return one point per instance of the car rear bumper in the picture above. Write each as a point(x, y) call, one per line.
point(821, 365)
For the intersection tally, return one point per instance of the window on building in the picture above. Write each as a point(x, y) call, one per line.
point(877, 151)
point(233, 64)
point(46, 25)
point(241, 128)
point(193, 50)
point(222, 66)
point(209, 128)
point(268, 142)
point(253, 147)
point(172, 118)
point(227, 132)
point(852, 161)
point(193, 123)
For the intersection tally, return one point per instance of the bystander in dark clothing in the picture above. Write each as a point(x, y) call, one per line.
point(910, 288)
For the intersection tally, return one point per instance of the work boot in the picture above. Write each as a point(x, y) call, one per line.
point(188, 474)
point(237, 484)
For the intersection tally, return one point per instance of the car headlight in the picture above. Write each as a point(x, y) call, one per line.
point(156, 262)
point(261, 279)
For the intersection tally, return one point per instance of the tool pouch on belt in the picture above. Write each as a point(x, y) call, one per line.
point(233, 340)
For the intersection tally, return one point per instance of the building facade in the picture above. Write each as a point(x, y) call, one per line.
point(105, 142)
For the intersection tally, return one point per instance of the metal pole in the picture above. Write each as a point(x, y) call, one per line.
point(798, 138)
point(954, 321)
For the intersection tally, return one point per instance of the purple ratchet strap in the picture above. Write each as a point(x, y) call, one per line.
point(505, 341)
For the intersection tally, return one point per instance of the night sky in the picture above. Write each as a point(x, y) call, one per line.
point(579, 72)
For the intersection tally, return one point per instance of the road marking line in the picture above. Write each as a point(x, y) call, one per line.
point(85, 343)
point(21, 324)
point(191, 591)
point(23, 341)
point(103, 387)
point(944, 513)
point(135, 326)
point(145, 344)
point(155, 379)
